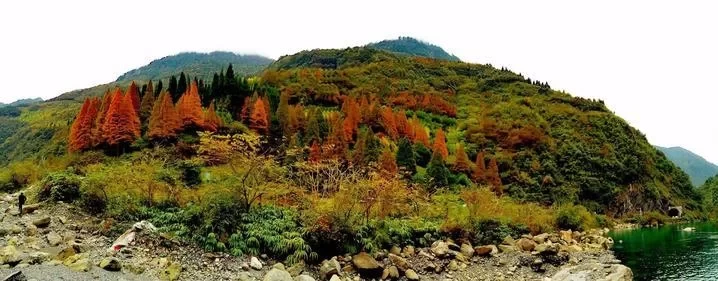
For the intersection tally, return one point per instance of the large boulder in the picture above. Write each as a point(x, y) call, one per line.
point(171, 272)
point(304, 278)
point(526, 244)
point(566, 235)
point(367, 266)
point(29, 209)
point(399, 262)
point(78, 263)
point(329, 268)
point(391, 273)
point(508, 240)
point(54, 239)
point(486, 250)
point(10, 255)
point(541, 238)
point(467, 250)
point(17, 276)
point(440, 249)
point(42, 222)
point(508, 248)
point(547, 249)
point(277, 275)
point(594, 271)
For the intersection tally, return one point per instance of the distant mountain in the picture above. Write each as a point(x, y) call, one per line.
point(413, 47)
point(201, 65)
point(21, 102)
point(697, 168)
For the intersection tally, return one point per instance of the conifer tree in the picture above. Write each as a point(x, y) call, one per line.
point(403, 127)
point(134, 94)
point(420, 134)
point(182, 83)
point(336, 137)
point(189, 108)
point(405, 156)
point(437, 171)
point(388, 122)
point(462, 164)
point(352, 117)
point(97, 133)
point(148, 102)
point(479, 175)
point(246, 111)
point(494, 178)
point(122, 122)
point(164, 121)
point(258, 118)
point(158, 88)
point(212, 122)
point(440, 144)
point(172, 88)
point(76, 142)
point(267, 108)
point(387, 164)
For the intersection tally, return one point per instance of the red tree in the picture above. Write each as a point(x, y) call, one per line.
point(148, 102)
point(494, 178)
point(189, 108)
point(164, 121)
point(212, 122)
point(440, 144)
point(403, 127)
point(267, 109)
point(462, 164)
point(315, 152)
point(258, 119)
point(97, 133)
point(387, 164)
point(134, 94)
point(388, 122)
point(121, 123)
point(420, 134)
point(80, 132)
point(246, 111)
point(479, 174)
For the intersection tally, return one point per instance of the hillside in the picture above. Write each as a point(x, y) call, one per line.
point(200, 65)
point(22, 102)
point(697, 168)
point(413, 47)
point(328, 152)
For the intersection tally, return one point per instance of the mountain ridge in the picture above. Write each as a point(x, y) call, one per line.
point(698, 168)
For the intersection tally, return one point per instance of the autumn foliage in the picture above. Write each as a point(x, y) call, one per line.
point(461, 164)
point(81, 137)
point(440, 144)
point(165, 121)
point(189, 108)
point(258, 118)
point(122, 124)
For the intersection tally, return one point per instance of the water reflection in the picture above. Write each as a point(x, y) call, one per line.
point(669, 253)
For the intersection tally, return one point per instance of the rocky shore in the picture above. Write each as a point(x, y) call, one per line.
point(58, 242)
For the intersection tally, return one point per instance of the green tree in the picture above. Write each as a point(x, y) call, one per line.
point(172, 88)
point(437, 171)
point(182, 84)
point(405, 157)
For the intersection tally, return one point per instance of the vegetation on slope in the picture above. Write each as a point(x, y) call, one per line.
point(413, 47)
point(335, 151)
point(697, 168)
point(200, 65)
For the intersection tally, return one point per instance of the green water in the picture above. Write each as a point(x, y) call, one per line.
point(669, 253)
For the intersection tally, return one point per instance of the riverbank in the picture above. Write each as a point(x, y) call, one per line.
point(59, 242)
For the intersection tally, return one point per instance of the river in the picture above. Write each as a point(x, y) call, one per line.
point(669, 253)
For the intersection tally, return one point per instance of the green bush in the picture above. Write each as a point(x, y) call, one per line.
point(60, 186)
point(93, 203)
point(191, 172)
point(651, 218)
point(491, 231)
point(574, 217)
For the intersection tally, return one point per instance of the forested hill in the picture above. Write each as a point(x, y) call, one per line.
point(413, 47)
point(448, 124)
point(550, 147)
point(697, 168)
point(200, 65)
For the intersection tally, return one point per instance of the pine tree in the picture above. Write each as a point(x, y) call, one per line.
point(352, 118)
point(182, 83)
point(420, 134)
point(158, 88)
point(164, 121)
point(258, 118)
point(189, 108)
point(479, 175)
point(79, 138)
point(440, 144)
point(134, 94)
point(387, 164)
point(172, 88)
point(437, 171)
point(122, 122)
point(97, 133)
point(405, 156)
point(462, 164)
point(388, 122)
point(403, 127)
point(246, 111)
point(494, 178)
point(148, 102)
point(336, 137)
point(212, 122)
point(267, 108)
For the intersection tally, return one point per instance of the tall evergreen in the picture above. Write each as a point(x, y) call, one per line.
point(182, 83)
point(405, 156)
point(173, 89)
point(158, 88)
point(437, 171)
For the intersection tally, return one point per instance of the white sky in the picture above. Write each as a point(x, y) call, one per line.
point(653, 62)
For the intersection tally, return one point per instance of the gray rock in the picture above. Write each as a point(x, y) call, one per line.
point(54, 239)
point(411, 275)
point(399, 262)
point(304, 278)
point(277, 275)
point(508, 249)
point(245, 276)
point(440, 249)
point(16, 276)
point(111, 264)
point(255, 263)
point(10, 255)
point(296, 269)
point(594, 271)
point(467, 250)
point(329, 268)
point(366, 265)
point(42, 222)
point(335, 278)
point(526, 244)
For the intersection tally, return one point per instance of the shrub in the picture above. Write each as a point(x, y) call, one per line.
point(574, 217)
point(492, 231)
point(191, 172)
point(60, 186)
point(651, 218)
point(93, 203)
